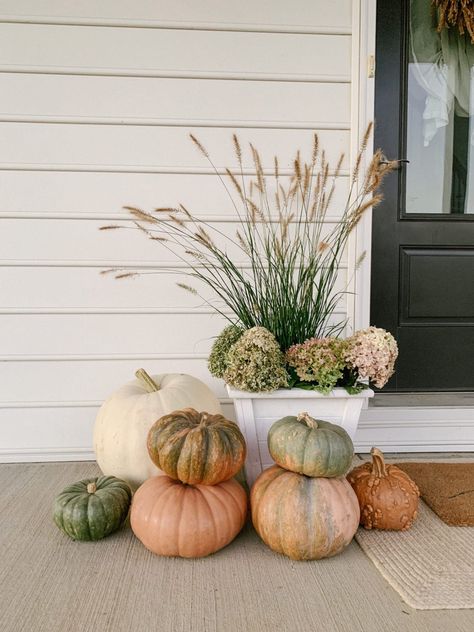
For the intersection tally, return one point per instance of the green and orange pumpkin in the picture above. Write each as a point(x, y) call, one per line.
point(302, 517)
point(196, 447)
point(310, 446)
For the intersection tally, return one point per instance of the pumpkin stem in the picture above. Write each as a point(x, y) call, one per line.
point(91, 488)
point(378, 463)
point(146, 380)
point(309, 421)
point(203, 419)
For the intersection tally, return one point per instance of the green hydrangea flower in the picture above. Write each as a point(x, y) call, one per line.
point(217, 361)
point(319, 361)
point(256, 363)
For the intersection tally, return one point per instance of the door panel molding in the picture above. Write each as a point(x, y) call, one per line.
point(426, 273)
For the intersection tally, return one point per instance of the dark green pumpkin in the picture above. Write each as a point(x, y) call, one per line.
point(92, 508)
point(312, 447)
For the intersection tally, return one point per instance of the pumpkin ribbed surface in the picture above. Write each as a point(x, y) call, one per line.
point(92, 508)
point(310, 446)
point(174, 519)
point(196, 447)
point(304, 518)
point(387, 496)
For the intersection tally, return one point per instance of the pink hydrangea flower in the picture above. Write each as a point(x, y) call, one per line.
point(372, 353)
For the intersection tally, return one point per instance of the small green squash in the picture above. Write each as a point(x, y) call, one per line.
point(92, 508)
point(311, 447)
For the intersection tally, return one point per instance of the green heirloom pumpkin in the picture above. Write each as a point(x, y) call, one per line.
point(312, 447)
point(92, 508)
point(196, 448)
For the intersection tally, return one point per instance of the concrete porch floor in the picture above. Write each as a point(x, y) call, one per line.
point(49, 583)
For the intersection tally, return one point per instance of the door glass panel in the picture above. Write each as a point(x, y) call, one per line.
point(440, 121)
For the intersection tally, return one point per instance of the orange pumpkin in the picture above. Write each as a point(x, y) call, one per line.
point(196, 448)
point(388, 497)
point(302, 517)
point(175, 519)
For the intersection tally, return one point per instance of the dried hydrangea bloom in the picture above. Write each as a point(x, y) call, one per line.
point(372, 353)
point(255, 362)
point(217, 361)
point(319, 361)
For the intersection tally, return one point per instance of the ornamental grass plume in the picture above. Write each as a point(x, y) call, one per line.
point(218, 361)
point(255, 362)
point(278, 269)
point(319, 361)
point(372, 353)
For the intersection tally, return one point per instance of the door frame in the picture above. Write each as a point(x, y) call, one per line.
point(400, 425)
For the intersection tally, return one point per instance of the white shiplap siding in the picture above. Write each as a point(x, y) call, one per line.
point(97, 101)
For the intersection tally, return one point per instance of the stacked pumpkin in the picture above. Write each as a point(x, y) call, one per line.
point(197, 507)
point(303, 506)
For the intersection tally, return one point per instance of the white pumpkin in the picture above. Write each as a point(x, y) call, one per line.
point(124, 419)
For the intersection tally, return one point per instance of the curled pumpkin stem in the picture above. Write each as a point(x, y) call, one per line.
point(309, 421)
point(378, 463)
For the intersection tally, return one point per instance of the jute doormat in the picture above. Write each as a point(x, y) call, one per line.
point(448, 488)
point(431, 565)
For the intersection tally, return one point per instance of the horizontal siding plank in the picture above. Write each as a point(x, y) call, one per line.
point(104, 194)
point(86, 288)
point(30, 287)
point(46, 429)
point(151, 123)
point(88, 380)
point(53, 432)
point(170, 52)
point(94, 168)
point(270, 13)
point(47, 240)
point(166, 146)
point(106, 334)
point(162, 99)
point(76, 288)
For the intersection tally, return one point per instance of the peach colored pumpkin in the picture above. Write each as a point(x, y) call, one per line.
point(388, 498)
point(175, 519)
point(302, 517)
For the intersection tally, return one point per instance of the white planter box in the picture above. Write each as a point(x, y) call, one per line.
point(256, 412)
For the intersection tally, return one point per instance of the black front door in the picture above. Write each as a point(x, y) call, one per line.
point(423, 232)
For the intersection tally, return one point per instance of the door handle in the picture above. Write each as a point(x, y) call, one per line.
point(401, 161)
